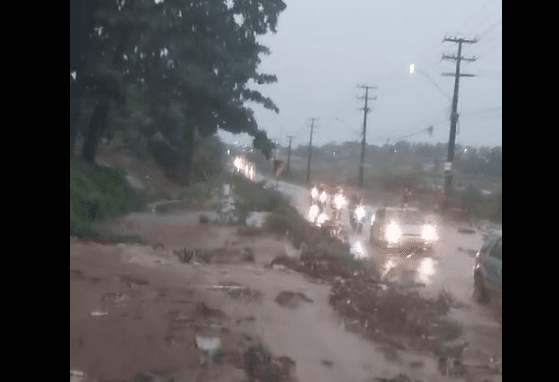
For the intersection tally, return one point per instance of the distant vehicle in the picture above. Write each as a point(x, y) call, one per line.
point(404, 229)
point(488, 269)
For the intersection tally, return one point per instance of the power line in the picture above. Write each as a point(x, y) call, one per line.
point(482, 22)
point(473, 15)
point(490, 28)
point(490, 49)
point(488, 43)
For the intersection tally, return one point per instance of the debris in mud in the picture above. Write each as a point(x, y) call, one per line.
point(247, 319)
point(250, 231)
point(291, 300)
point(285, 262)
point(245, 294)
point(467, 231)
point(398, 378)
point(117, 298)
point(323, 265)
point(259, 365)
point(450, 359)
point(252, 363)
point(390, 353)
point(326, 363)
point(416, 364)
point(248, 255)
point(208, 344)
point(238, 291)
point(77, 376)
point(132, 282)
point(206, 311)
point(191, 256)
point(392, 314)
point(76, 273)
point(158, 245)
point(98, 312)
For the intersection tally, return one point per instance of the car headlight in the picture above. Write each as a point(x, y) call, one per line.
point(393, 233)
point(429, 233)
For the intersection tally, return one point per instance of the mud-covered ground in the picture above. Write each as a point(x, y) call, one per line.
point(138, 309)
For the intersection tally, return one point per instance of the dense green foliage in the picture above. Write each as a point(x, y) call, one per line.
point(97, 193)
point(178, 68)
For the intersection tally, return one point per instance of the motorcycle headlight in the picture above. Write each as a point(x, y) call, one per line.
point(322, 218)
point(339, 201)
point(359, 213)
point(393, 233)
point(429, 233)
point(314, 193)
point(313, 213)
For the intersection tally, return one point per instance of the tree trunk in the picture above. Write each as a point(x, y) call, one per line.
point(75, 113)
point(97, 124)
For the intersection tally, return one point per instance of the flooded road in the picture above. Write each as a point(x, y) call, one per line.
point(448, 267)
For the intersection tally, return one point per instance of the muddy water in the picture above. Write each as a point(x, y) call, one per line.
point(310, 334)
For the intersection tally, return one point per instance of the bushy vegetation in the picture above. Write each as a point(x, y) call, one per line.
point(480, 206)
point(97, 193)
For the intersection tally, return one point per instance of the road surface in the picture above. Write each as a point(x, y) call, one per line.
point(448, 267)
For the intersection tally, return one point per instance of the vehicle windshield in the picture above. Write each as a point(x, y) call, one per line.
point(407, 217)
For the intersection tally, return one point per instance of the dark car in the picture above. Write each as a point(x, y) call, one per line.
point(488, 269)
point(403, 229)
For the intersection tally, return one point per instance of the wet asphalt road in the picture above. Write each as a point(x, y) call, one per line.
point(448, 266)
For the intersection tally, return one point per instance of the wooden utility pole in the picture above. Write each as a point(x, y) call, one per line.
point(289, 153)
point(365, 111)
point(310, 151)
point(454, 114)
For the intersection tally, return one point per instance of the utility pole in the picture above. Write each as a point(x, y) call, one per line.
point(310, 151)
point(289, 153)
point(454, 114)
point(365, 111)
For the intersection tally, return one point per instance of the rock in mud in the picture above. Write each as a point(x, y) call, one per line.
point(245, 294)
point(248, 255)
point(290, 299)
point(284, 261)
point(206, 311)
point(398, 378)
point(252, 363)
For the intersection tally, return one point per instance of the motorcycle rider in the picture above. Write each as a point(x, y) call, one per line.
point(354, 200)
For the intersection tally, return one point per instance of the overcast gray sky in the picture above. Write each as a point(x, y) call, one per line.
point(324, 49)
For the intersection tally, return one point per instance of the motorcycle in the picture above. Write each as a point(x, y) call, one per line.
point(358, 218)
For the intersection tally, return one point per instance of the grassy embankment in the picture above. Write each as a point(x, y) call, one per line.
point(98, 193)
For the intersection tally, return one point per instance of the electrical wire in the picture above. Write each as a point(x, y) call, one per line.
point(474, 15)
point(490, 28)
point(471, 31)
